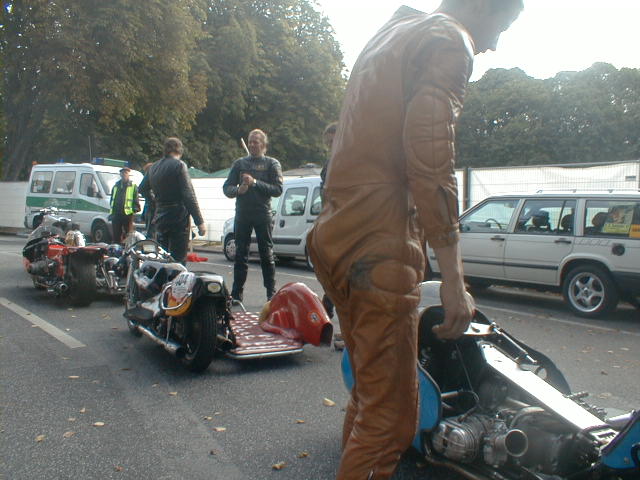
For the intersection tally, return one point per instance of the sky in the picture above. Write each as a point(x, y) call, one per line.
point(550, 36)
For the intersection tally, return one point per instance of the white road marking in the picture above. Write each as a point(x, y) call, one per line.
point(55, 332)
point(559, 320)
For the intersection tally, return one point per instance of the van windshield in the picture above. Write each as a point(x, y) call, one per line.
point(108, 180)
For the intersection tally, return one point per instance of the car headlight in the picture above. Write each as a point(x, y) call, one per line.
point(214, 287)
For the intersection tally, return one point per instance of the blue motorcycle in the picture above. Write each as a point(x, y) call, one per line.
point(492, 408)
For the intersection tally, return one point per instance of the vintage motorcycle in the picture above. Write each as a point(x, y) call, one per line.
point(191, 314)
point(492, 408)
point(57, 266)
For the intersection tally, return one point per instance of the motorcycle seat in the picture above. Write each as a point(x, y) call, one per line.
point(152, 275)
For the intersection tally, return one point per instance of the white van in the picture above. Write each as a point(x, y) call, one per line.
point(293, 215)
point(82, 188)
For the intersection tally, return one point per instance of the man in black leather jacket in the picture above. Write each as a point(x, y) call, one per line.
point(175, 200)
point(252, 181)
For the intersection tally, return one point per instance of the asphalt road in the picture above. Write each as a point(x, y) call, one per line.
point(115, 406)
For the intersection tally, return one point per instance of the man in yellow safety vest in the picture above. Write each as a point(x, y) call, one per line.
point(124, 203)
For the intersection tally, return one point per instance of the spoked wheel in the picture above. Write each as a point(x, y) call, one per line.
point(200, 333)
point(82, 280)
point(590, 291)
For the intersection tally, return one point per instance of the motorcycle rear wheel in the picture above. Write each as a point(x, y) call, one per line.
point(82, 281)
point(200, 339)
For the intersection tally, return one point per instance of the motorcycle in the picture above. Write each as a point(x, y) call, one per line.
point(192, 315)
point(65, 268)
point(493, 408)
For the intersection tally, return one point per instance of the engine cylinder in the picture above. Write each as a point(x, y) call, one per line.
point(43, 268)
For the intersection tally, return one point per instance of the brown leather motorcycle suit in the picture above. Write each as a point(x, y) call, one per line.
point(390, 186)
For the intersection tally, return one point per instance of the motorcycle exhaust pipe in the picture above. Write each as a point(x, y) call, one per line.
point(61, 288)
point(514, 443)
point(170, 346)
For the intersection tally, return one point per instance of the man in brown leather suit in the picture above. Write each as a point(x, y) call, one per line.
point(391, 186)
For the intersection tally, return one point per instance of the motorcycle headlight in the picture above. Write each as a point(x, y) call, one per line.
point(214, 287)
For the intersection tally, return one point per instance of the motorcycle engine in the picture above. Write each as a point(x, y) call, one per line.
point(43, 268)
point(478, 437)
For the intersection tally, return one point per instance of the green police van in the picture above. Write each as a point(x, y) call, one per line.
point(82, 188)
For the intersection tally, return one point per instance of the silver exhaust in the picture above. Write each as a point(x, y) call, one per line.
point(170, 346)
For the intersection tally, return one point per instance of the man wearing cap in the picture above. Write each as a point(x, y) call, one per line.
point(175, 201)
point(124, 203)
point(390, 186)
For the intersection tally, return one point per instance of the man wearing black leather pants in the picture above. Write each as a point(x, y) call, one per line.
point(252, 181)
point(175, 201)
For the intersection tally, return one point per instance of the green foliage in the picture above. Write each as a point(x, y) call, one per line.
point(115, 78)
point(589, 116)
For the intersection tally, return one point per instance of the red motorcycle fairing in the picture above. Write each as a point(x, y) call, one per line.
point(57, 251)
point(296, 312)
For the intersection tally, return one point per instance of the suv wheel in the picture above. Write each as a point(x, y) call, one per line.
point(229, 247)
point(308, 259)
point(590, 291)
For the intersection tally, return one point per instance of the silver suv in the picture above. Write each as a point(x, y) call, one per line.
point(585, 244)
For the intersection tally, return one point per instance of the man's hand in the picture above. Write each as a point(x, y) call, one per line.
point(202, 230)
point(242, 189)
point(458, 311)
point(457, 303)
point(247, 179)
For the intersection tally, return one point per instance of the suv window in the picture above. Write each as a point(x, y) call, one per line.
point(492, 217)
point(41, 182)
point(612, 218)
point(63, 182)
point(295, 201)
point(547, 217)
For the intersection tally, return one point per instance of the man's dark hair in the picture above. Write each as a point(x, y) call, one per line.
point(331, 128)
point(173, 145)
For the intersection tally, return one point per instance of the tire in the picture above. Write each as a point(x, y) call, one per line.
point(100, 233)
point(229, 248)
point(590, 291)
point(201, 337)
point(477, 285)
point(82, 280)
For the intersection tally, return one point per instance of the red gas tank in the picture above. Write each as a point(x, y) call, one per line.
point(296, 312)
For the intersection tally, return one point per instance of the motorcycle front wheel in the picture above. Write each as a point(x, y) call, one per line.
point(82, 280)
point(200, 337)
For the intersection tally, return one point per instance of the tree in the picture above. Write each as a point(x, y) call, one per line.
point(588, 116)
point(113, 72)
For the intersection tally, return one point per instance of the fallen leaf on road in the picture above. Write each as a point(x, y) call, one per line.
point(299, 421)
point(71, 419)
point(83, 410)
point(217, 413)
point(220, 429)
point(609, 351)
point(40, 438)
point(118, 468)
point(95, 381)
point(70, 309)
point(279, 465)
point(208, 418)
point(173, 394)
point(35, 326)
point(98, 424)
point(624, 349)
point(68, 434)
point(604, 395)
point(603, 372)
point(303, 454)
point(155, 385)
point(73, 377)
point(73, 316)
point(213, 452)
point(328, 403)
point(66, 358)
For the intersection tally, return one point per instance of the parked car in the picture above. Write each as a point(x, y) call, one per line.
point(83, 190)
point(293, 215)
point(584, 244)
